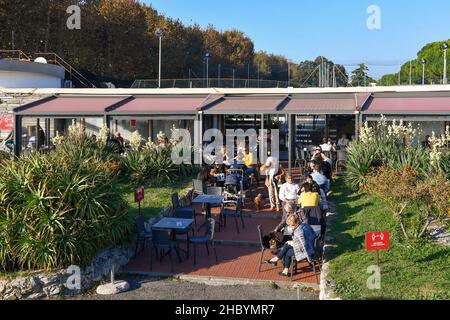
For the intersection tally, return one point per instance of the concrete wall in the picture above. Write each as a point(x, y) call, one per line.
point(13, 79)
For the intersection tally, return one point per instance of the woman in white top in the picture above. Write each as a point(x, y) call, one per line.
point(270, 168)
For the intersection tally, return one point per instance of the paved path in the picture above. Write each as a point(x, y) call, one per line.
point(143, 288)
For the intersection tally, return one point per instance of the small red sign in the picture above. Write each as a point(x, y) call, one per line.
point(139, 194)
point(133, 123)
point(376, 241)
point(7, 123)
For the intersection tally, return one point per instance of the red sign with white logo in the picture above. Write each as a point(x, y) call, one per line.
point(133, 123)
point(7, 123)
point(139, 195)
point(376, 241)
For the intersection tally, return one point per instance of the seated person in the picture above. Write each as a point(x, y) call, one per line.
point(307, 197)
point(217, 172)
point(314, 186)
point(301, 246)
point(320, 179)
point(282, 227)
point(248, 161)
point(205, 176)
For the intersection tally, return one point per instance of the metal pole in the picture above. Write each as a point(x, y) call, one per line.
point(423, 73)
point(258, 75)
point(248, 76)
point(204, 73)
point(159, 76)
point(289, 74)
point(445, 66)
point(13, 40)
point(410, 72)
point(234, 71)
point(334, 76)
point(218, 76)
point(207, 72)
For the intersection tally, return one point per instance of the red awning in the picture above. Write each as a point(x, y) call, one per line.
point(325, 103)
point(246, 104)
point(70, 105)
point(148, 105)
point(408, 105)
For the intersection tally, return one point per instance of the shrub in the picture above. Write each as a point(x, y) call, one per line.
point(414, 202)
point(153, 165)
point(62, 208)
point(393, 146)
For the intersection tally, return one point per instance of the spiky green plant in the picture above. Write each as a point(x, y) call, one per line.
point(153, 166)
point(62, 208)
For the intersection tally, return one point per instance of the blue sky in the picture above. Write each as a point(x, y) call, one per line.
point(304, 29)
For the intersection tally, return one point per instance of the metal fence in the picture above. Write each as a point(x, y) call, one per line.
point(213, 83)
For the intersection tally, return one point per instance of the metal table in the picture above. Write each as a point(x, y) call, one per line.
point(208, 200)
point(173, 224)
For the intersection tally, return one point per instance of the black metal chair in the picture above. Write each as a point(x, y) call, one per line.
point(187, 211)
point(185, 215)
point(142, 235)
point(235, 213)
point(197, 188)
point(163, 241)
point(312, 262)
point(206, 239)
point(264, 246)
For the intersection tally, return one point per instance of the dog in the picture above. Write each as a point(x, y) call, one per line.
point(258, 201)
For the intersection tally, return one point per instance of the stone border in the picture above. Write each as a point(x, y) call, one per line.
point(40, 285)
point(326, 285)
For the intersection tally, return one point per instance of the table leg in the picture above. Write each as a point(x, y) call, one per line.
point(207, 216)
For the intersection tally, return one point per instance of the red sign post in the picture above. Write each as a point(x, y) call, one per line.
point(377, 241)
point(139, 196)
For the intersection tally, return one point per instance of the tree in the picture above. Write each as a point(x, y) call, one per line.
point(434, 66)
point(308, 73)
point(360, 76)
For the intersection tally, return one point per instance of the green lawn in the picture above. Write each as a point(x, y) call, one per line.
point(408, 271)
point(156, 198)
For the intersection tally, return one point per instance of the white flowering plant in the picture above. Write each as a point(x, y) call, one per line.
point(136, 140)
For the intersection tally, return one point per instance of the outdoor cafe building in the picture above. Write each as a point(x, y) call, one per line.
point(303, 116)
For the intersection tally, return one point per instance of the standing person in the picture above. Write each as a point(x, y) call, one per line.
point(289, 193)
point(343, 142)
point(326, 145)
point(426, 143)
point(270, 169)
point(119, 142)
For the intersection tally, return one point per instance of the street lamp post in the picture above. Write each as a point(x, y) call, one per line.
point(207, 56)
point(159, 33)
point(424, 62)
point(218, 75)
point(445, 47)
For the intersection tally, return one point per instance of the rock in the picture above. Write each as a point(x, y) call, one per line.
point(113, 288)
point(48, 280)
point(36, 296)
point(3, 284)
point(53, 290)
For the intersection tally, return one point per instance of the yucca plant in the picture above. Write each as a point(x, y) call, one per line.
point(153, 166)
point(62, 208)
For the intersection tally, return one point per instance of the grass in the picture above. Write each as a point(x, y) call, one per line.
point(156, 198)
point(419, 270)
